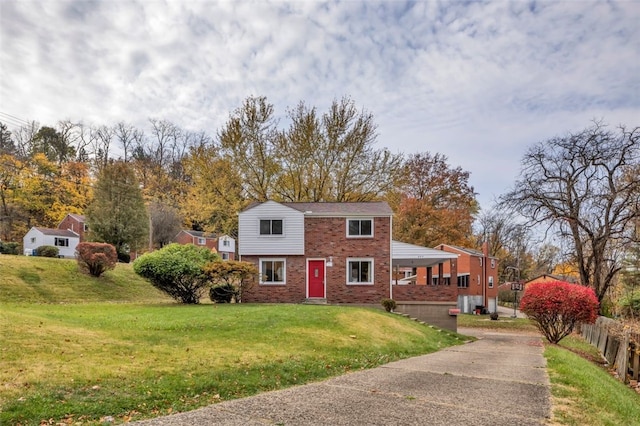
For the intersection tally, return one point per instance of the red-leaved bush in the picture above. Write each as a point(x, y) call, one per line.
point(557, 307)
point(96, 258)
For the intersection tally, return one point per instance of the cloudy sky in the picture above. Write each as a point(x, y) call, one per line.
point(476, 81)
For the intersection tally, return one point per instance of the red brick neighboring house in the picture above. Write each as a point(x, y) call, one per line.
point(338, 253)
point(224, 245)
point(76, 223)
point(474, 273)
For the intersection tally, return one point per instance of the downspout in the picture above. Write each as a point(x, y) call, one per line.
point(390, 256)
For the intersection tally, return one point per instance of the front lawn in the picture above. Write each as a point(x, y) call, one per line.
point(84, 362)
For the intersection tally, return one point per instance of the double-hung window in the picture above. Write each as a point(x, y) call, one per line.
point(463, 281)
point(202, 241)
point(360, 271)
point(273, 271)
point(270, 226)
point(360, 227)
point(61, 242)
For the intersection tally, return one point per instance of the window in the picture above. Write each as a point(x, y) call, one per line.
point(360, 228)
point(493, 264)
point(85, 227)
point(444, 281)
point(202, 241)
point(360, 271)
point(272, 271)
point(270, 226)
point(225, 256)
point(226, 243)
point(490, 282)
point(463, 281)
point(61, 242)
point(33, 240)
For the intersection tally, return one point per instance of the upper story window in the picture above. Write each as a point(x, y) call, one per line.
point(270, 226)
point(360, 227)
point(493, 264)
point(85, 227)
point(202, 241)
point(61, 242)
point(226, 243)
point(33, 240)
point(490, 282)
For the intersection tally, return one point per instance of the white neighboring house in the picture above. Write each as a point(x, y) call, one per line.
point(65, 239)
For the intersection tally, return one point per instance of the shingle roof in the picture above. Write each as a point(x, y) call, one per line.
point(78, 217)
point(57, 232)
point(199, 234)
point(371, 208)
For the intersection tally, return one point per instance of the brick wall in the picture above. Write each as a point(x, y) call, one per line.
point(325, 238)
point(432, 293)
point(72, 224)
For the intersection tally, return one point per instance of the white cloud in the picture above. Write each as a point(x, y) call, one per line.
point(478, 82)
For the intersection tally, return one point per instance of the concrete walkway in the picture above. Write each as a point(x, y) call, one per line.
point(498, 380)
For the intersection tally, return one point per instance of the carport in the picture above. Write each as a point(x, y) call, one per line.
point(411, 255)
point(434, 304)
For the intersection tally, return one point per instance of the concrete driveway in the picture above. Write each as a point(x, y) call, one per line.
point(500, 379)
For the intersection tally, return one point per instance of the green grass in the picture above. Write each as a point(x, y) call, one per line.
point(26, 279)
point(124, 360)
point(585, 393)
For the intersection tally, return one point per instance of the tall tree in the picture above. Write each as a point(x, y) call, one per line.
point(7, 146)
point(434, 204)
point(10, 172)
point(53, 144)
point(117, 215)
point(317, 158)
point(166, 223)
point(508, 240)
point(215, 192)
point(578, 186)
point(247, 139)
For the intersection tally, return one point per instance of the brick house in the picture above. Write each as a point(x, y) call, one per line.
point(338, 253)
point(474, 273)
point(224, 245)
point(76, 223)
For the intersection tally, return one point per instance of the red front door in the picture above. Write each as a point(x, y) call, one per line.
point(316, 278)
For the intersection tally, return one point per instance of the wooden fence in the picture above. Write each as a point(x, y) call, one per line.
point(619, 346)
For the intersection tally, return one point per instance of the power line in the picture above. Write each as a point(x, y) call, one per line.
point(13, 120)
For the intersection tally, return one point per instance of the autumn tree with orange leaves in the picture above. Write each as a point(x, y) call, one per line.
point(434, 203)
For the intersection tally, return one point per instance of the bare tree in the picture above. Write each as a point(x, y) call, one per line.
point(127, 135)
point(166, 223)
point(578, 186)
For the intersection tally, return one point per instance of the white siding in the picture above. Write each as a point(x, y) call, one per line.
point(291, 242)
point(30, 246)
point(230, 248)
point(49, 240)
